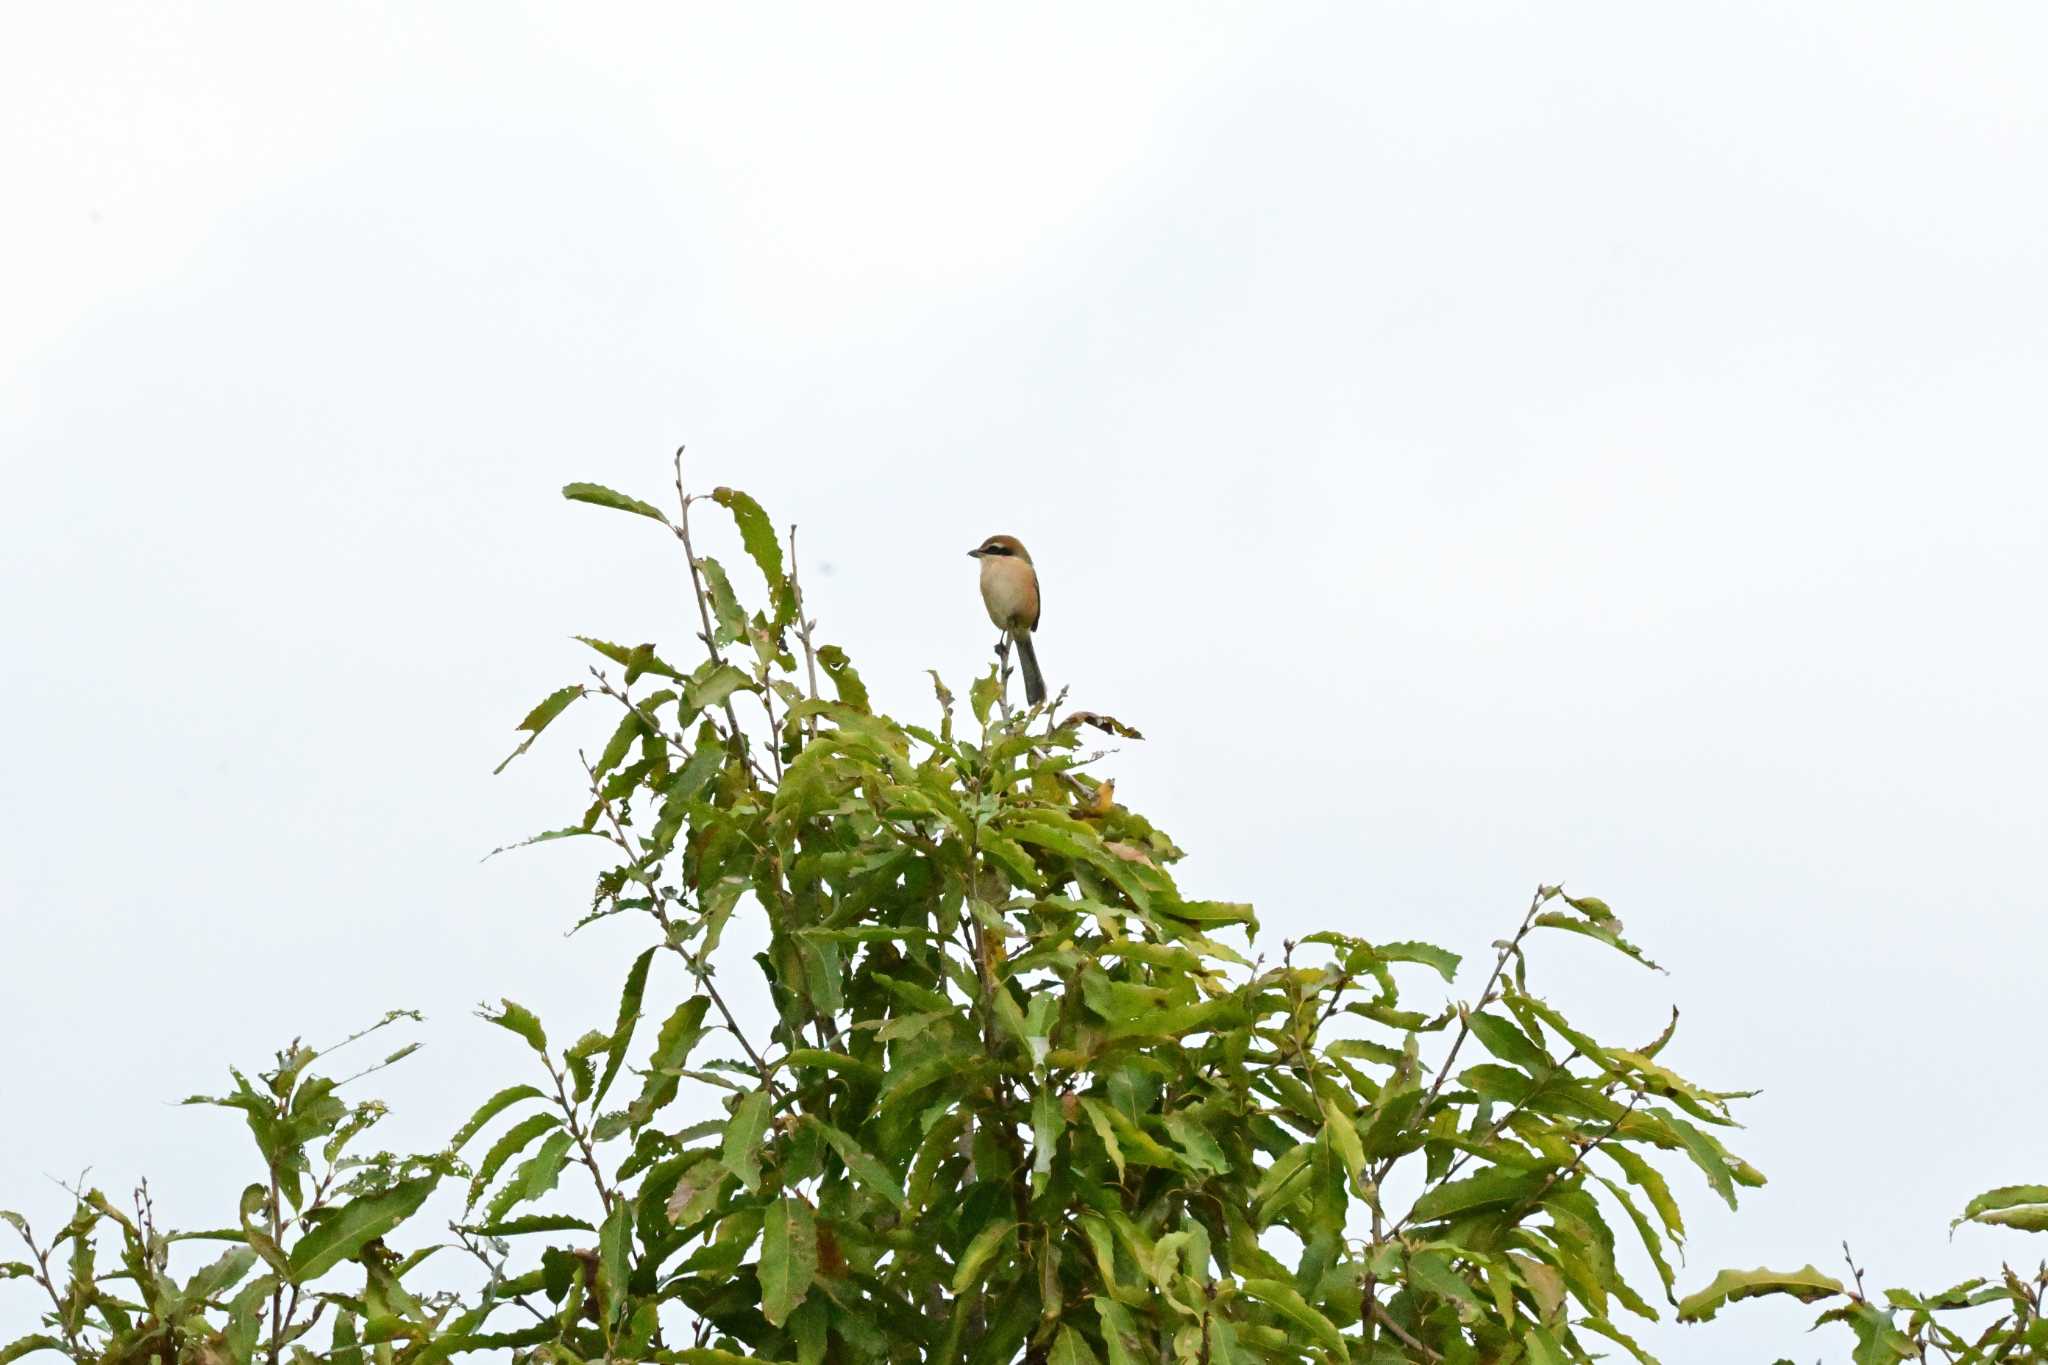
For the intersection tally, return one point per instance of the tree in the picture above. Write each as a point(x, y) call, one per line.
point(1022, 1098)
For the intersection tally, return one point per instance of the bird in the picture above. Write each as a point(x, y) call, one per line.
point(1009, 589)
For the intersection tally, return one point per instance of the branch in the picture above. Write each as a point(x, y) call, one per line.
point(710, 637)
point(657, 906)
point(803, 629)
point(1500, 962)
point(1578, 1160)
point(604, 1192)
point(1386, 1320)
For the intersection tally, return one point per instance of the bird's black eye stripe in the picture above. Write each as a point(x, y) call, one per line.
point(995, 550)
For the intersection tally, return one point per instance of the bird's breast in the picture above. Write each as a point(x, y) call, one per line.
point(1009, 589)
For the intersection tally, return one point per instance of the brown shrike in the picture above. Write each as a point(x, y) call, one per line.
point(1009, 589)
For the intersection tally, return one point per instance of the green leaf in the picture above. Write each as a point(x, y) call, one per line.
point(2016, 1206)
point(839, 669)
point(532, 1222)
point(1125, 1140)
point(1603, 930)
point(638, 659)
point(1619, 1337)
point(537, 720)
point(1650, 1181)
point(864, 1166)
point(629, 1016)
point(1119, 1334)
point(680, 1033)
point(519, 1020)
point(615, 1250)
point(789, 1258)
point(1652, 1243)
point(758, 535)
point(725, 605)
point(1431, 1271)
point(1706, 1153)
point(1591, 906)
point(511, 1142)
point(981, 695)
point(1445, 961)
point(597, 495)
point(209, 1281)
point(711, 685)
point(535, 1177)
point(21, 1346)
point(697, 1192)
point(974, 1260)
point(1196, 1143)
point(355, 1225)
point(1071, 1348)
point(1048, 1121)
point(1495, 1185)
point(1285, 1300)
point(1542, 1347)
point(1343, 1136)
point(489, 1110)
point(1507, 1041)
point(1805, 1284)
point(742, 1150)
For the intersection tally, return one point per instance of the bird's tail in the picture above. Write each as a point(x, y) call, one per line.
point(1034, 683)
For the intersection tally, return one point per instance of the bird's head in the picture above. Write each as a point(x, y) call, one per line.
point(1000, 547)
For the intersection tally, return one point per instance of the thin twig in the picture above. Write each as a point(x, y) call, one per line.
point(657, 906)
point(803, 628)
point(682, 531)
point(1579, 1158)
point(1500, 962)
point(604, 1192)
point(1386, 1320)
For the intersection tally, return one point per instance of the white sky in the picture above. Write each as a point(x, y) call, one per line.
point(1478, 444)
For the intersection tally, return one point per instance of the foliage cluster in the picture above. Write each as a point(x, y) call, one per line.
point(1021, 1097)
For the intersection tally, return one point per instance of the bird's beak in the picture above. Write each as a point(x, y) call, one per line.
point(974, 554)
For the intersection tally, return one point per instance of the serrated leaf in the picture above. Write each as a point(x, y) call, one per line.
point(1445, 961)
point(1602, 930)
point(535, 1176)
point(1287, 1301)
point(2008, 1200)
point(742, 1149)
point(519, 1020)
point(532, 1222)
point(489, 1110)
point(1505, 1040)
point(1805, 1284)
point(979, 1252)
point(1495, 1185)
point(725, 605)
point(758, 535)
point(866, 1168)
point(1652, 1243)
point(629, 1016)
point(712, 684)
point(355, 1225)
point(538, 720)
point(1704, 1151)
point(789, 1258)
point(680, 1033)
point(840, 670)
point(509, 1144)
point(1071, 1348)
point(597, 495)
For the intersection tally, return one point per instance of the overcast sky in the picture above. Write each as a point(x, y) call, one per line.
point(1478, 444)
